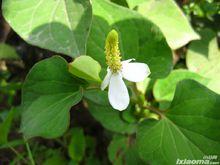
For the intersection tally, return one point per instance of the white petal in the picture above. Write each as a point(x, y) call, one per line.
point(135, 71)
point(106, 80)
point(118, 93)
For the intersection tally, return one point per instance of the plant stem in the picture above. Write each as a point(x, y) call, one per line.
point(29, 152)
point(18, 154)
point(155, 110)
point(61, 143)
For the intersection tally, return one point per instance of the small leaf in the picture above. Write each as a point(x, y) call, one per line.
point(7, 52)
point(189, 129)
point(60, 26)
point(86, 68)
point(77, 145)
point(48, 93)
point(101, 110)
point(173, 23)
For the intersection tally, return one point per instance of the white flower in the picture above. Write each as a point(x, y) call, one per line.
point(118, 93)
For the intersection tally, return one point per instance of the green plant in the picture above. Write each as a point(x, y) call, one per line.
point(170, 116)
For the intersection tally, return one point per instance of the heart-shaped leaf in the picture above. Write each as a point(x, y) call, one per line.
point(189, 129)
point(173, 23)
point(48, 93)
point(61, 26)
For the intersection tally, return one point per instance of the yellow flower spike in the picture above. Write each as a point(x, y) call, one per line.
point(113, 58)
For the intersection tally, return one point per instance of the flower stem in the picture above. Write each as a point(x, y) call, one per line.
point(29, 152)
point(141, 101)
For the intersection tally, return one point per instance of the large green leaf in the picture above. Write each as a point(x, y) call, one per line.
point(86, 68)
point(61, 26)
point(169, 17)
point(189, 130)
point(101, 110)
point(48, 93)
point(7, 52)
point(203, 58)
point(138, 37)
point(164, 89)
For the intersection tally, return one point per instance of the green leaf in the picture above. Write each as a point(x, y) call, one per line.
point(101, 110)
point(121, 150)
point(5, 127)
point(116, 149)
point(90, 145)
point(129, 115)
point(93, 161)
point(77, 146)
point(138, 37)
point(120, 2)
point(214, 84)
point(189, 130)
point(13, 144)
point(134, 3)
point(164, 89)
point(143, 85)
point(61, 26)
point(7, 52)
point(86, 68)
point(48, 93)
point(55, 159)
point(91, 150)
point(168, 16)
point(203, 58)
